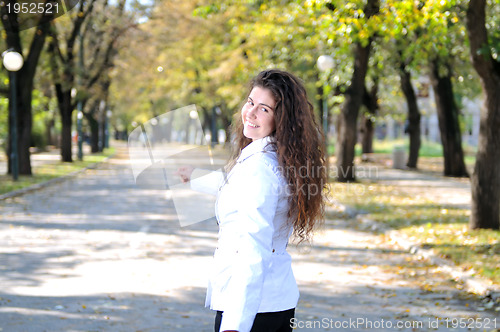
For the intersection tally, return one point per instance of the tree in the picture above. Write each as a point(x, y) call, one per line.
point(407, 23)
point(64, 68)
point(348, 117)
point(95, 29)
point(448, 116)
point(370, 101)
point(25, 77)
point(413, 114)
point(101, 39)
point(485, 180)
point(428, 37)
point(440, 40)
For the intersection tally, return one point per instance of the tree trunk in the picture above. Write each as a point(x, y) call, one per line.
point(25, 120)
point(485, 180)
point(449, 127)
point(319, 91)
point(94, 132)
point(347, 120)
point(367, 131)
point(24, 123)
point(370, 100)
point(66, 110)
point(348, 117)
point(413, 116)
point(367, 138)
point(49, 127)
point(226, 123)
point(102, 130)
point(346, 140)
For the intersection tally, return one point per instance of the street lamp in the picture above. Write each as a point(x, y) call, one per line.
point(325, 63)
point(13, 62)
point(79, 119)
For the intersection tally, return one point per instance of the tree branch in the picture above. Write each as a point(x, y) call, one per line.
point(478, 38)
point(106, 63)
point(56, 50)
point(36, 47)
point(80, 18)
point(11, 26)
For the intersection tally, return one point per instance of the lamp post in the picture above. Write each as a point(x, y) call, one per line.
point(79, 118)
point(13, 62)
point(102, 125)
point(325, 64)
point(79, 105)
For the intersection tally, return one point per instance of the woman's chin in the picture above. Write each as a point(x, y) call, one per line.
point(249, 135)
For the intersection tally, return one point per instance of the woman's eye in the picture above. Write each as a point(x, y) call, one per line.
point(265, 110)
point(250, 102)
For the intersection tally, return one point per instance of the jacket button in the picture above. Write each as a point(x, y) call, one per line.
point(274, 250)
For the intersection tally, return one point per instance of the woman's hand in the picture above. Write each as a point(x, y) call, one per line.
point(184, 173)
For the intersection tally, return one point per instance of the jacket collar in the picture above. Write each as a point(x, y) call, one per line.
point(260, 145)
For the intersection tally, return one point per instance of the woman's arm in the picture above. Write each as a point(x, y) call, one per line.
point(202, 180)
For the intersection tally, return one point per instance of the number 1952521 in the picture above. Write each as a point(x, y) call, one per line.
point(471, 323)
point(32, 8)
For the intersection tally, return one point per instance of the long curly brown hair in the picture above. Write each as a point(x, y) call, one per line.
point(300, 148)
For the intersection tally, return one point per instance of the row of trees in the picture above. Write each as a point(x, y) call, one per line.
point(380, 49)
point(68, 58)
point(205, 52)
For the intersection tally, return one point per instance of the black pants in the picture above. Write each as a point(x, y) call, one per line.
point(266, 321)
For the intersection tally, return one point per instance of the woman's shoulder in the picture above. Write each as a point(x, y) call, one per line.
point(265, 160)
point(266, 157)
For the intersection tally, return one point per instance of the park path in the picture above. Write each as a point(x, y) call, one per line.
point(97, 253)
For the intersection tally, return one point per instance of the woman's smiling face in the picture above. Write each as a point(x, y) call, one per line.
point(258, 114)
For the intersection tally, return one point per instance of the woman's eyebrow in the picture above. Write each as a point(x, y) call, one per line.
point(272, 108)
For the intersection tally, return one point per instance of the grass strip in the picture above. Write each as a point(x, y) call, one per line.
point(49, 171)
point(443, 228)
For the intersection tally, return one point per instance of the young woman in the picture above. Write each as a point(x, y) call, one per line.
point(274, 188)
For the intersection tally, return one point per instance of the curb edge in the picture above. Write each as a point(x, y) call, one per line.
point(471, 284)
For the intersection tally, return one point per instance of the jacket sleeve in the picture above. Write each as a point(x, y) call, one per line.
point(256, 208)
point(206, 181)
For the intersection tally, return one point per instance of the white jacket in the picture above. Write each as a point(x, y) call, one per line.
point(252, 270)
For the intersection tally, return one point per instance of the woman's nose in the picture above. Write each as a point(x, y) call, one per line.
point(251, 111)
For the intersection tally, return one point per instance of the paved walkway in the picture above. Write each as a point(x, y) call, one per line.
point(97, 253)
